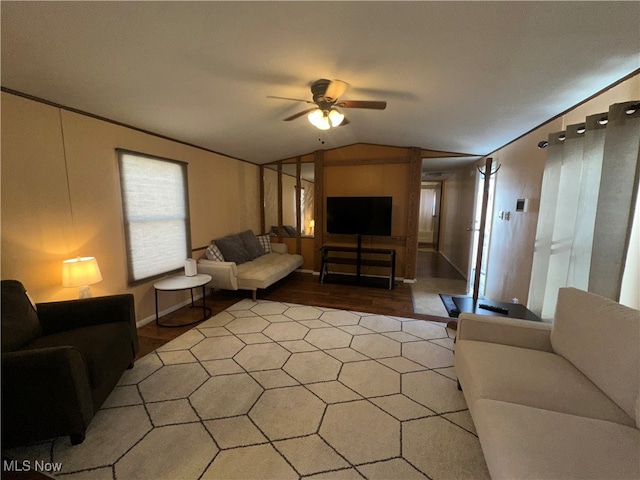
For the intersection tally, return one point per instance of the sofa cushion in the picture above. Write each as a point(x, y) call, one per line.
point(530, 377)
point(602, 339)
point(267, 269)
point(106, 348)
point(251, 244)
point(20, 323)
point(233, 249)
point(523, 442)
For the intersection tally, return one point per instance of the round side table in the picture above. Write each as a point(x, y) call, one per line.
point(182, 282)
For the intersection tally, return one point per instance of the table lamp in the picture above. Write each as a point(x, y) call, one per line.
point(81, 272)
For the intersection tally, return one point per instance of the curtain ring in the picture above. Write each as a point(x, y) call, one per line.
point(631, 109)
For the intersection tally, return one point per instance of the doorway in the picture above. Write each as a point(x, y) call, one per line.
point(434, 274)
point(429, 216)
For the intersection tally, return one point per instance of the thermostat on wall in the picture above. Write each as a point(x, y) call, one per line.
point(522, 205)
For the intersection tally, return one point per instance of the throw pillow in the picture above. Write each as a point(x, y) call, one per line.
point(233, 249)
point(251, 244)
point(291, 231)
point(265, 242)
point(214, 253)
point(20, 323)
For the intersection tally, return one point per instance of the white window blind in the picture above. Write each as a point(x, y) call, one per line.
point(156, 214)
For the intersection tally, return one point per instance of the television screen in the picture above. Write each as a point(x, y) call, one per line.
point(359, 215)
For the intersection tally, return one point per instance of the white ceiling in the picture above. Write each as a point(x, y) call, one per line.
point(463, 77)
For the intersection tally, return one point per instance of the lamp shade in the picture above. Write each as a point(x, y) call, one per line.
point(336, 117)
point(319, 120)
point(80, 271)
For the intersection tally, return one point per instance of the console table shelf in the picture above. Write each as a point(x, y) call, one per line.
point(383, 258)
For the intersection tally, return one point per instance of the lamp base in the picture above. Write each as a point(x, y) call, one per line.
point(84, 292)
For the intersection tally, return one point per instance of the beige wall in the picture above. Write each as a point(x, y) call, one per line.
point(511, 244)
point(46, 219)
point(520, 176)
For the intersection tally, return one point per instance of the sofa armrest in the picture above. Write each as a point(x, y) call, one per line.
point(45, 393)
point(279, 248)
point(506, 331)
point(66, 315)
point(223, 274)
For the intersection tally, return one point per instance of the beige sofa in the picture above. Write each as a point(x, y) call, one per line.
point(260, 272)
point(555, 401)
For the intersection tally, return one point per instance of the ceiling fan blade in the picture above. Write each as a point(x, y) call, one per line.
point(376, 105)
point(335, 90)
point(299, 114)
point(292, 99)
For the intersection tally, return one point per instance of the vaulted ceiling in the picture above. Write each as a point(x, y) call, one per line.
point(464, 77)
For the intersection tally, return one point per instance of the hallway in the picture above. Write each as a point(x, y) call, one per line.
point(433, 264)
point(435, 275)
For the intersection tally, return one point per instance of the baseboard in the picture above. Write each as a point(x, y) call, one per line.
point(161, 313)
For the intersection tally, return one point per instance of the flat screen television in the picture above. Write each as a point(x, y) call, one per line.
point(359, 215)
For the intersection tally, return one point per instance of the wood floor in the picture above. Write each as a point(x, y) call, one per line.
point(433, 264)
point(301, 288)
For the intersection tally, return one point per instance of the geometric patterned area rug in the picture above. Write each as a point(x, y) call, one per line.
point(278, 391)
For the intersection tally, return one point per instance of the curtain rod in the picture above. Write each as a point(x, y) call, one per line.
point(630, 110)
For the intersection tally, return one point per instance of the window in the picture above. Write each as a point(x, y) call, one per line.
point(155, 206)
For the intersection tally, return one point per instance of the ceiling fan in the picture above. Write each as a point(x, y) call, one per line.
point(326, 98)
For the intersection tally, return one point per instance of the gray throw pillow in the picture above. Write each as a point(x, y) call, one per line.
point(291, 231)
point(252, 244)
point(20, 324)
point(233, 249)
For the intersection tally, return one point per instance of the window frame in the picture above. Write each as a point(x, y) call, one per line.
point(131, 279)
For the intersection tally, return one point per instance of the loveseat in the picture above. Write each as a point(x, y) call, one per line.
point(245, 261)
point(60, 361)
point(555, 401)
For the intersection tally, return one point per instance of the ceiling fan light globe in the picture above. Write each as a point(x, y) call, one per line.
point(318, 119)
point(324, 123)
point(335, 117)
point(315, 117)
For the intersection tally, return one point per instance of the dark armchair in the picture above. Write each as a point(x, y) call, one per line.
point(60, 361)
